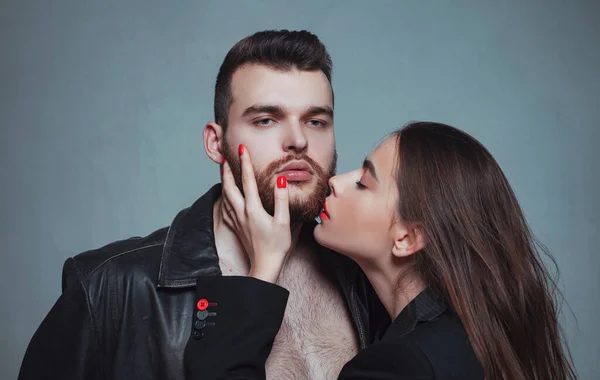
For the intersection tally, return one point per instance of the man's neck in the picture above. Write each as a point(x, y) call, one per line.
point(232, 254)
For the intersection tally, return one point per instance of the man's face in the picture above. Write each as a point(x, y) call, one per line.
point(283, 118)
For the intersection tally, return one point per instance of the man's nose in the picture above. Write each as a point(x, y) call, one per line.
point(295, 138)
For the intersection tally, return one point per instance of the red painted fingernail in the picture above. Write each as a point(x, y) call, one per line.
point(223, 160)
point(281, 182)
point(241, 149)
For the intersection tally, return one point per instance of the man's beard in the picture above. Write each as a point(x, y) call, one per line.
point(304, 209)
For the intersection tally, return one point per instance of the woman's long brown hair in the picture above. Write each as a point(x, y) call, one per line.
point(480, 253)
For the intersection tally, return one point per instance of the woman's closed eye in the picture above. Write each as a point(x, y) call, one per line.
point(360, 185)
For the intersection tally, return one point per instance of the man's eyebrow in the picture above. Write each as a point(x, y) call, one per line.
point(319, 110)
point(263, 108)
point(368, 165)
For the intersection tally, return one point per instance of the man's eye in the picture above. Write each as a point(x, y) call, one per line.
point(264, 122)
point(360, 185)
point(316, 123)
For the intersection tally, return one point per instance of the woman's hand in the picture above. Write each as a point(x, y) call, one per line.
point(267, 239)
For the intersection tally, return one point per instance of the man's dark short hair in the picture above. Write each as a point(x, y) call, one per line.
point(279, 49)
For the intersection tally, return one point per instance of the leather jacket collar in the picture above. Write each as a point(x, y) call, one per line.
point(189, 249)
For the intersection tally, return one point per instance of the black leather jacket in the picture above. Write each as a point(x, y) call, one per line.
point(126, 309)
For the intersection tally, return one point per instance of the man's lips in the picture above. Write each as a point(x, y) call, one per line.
point(297, 171)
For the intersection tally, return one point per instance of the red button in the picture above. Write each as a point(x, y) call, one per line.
point(202, 304)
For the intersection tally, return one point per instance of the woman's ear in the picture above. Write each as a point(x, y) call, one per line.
point(213, 142)
point(407, 239)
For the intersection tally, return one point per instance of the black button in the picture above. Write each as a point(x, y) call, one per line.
point(201, 315)
point(199, 325)
point(198, 334)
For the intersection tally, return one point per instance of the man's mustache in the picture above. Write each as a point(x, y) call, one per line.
point(275, 165)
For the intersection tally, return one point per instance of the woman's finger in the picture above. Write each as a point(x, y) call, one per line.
point(231, 191)
point(229, 215)
point(282, 202)
point(248, 180)
point(227, 207)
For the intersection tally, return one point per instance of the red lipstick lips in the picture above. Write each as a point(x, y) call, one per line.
point(324, 215)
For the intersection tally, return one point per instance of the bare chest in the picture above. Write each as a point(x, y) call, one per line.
point(317, 337)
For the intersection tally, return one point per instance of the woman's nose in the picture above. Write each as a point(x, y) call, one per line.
point(333, 185)
point(339, 183)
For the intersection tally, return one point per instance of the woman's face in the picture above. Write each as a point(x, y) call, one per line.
point(361, 208)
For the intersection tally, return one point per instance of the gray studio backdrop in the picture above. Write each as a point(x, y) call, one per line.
point(102, 105)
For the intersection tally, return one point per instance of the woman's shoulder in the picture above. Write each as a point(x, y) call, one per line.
point(387, 360)
point(446, 346)
point(438, 349)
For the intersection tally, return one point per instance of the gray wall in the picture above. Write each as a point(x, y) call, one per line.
point(103, 103)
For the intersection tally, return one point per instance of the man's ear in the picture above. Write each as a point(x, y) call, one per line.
point(213, 142)
point(407, 239)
